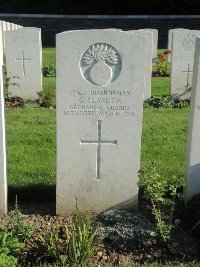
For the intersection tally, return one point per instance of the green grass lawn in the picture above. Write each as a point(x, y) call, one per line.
point(164, 140)
point(49, 83)
point(31, 142)
point(31, 138)
point(49, 55)
point(160, 51)
point(31, 146)
point(160, 86)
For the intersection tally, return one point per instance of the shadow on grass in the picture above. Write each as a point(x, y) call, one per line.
point(39, 192)
point(40, 199)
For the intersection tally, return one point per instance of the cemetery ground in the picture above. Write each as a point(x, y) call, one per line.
point(130, 239)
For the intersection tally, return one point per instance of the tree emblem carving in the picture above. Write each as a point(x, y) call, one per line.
point(99, 60)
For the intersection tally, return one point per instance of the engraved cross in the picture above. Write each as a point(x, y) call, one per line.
point(23, 59)
point(188, 74)
point(98, 142)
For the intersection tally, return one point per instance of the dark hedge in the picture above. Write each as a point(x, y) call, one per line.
point(134, 7)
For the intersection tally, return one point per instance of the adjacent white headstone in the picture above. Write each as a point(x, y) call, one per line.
point(3, 167)
point(12, 26)
point(193, 159)
point(15, 27)
point(4, 25)
point(148, 73)
point(100, 84)
point(1, 45)
point(182, 59)
point(113, 29)
point(4, 30)
point(155, 41)
point(24, 59)
point(8, 26)
point(169, 44)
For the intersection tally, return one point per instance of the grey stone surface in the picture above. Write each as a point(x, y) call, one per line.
point(182, 59)
point(193, 153)
point(148, 72)
point(12, 26)
point(155, 41)
point(4, 30)
point(24, 59)
point(3, 168)
point(169, 44)
point(1, 44)
point(8, 26)
point(4, 25)
point(100, 84)
point(15, 27)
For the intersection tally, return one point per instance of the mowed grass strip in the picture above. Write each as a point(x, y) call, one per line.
point(31, 146)
point(160, 86)
point(49, 55)
point(49, 84)
point(164, 140)
point(31, 139)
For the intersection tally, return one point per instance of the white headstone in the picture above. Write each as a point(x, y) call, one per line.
point(1, 45)
point(182, 59)
point(12, 26)
point(100, 84)
point(8, 26)
point(15, 27)
point(19, 27)
point(4, 29)
point(155, 41)
point(148, 73)
point(113, 29)
point(193, 157)
point(24, 59)
point(3, 168)
point(169, 44)
point(4, 25)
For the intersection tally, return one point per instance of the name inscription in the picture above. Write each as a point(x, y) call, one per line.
point(103, 103)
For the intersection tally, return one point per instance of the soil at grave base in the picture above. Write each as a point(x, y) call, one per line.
point(14, 102)
point(181, 248)
point(157, 74)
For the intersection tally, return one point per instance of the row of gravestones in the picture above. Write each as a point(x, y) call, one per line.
point(5, 26)
point(101, 79)
point(23, 51)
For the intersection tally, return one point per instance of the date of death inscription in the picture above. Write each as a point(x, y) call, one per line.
point(103, 103)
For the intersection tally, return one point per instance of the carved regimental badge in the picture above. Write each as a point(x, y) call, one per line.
point(188, 42)
point(100, 64)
